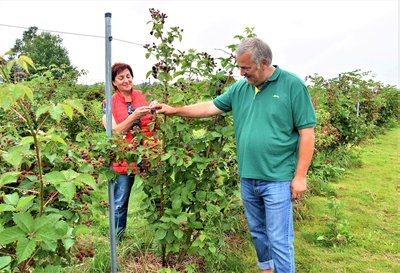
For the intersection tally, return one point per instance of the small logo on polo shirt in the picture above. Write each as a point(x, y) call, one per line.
point(275, 96)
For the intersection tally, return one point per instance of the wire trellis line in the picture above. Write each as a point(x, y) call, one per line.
point(74, 33)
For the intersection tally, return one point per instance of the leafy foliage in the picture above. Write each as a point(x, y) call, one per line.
point(192, 175)
point(46, 51)
point(45, 181)
point(338, 232)
point(350, 109)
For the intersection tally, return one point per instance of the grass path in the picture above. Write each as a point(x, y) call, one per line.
point(369, 200)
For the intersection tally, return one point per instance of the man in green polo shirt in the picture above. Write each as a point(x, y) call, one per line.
point(274, 124)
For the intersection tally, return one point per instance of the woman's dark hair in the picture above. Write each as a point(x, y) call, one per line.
point(118, 68)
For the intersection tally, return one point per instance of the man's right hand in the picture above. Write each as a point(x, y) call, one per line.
point(161, 108)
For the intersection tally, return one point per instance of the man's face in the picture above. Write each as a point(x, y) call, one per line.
point(248, 69)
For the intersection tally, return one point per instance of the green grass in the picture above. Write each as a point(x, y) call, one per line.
point(368, 200)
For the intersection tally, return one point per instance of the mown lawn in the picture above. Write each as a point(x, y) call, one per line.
point(367, 201)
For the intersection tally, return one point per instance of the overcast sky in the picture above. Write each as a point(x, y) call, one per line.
point(307, 37)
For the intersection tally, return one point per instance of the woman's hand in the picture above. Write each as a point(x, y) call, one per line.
point(141, 112)
point(154, 105)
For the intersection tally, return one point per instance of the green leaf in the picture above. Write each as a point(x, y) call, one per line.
point(201, 195)
point(58, 139)
point(80, 137)
point(63, 182)
point(70, 175)
point(25, 249)
point(196, 225)
point(9, 177)
point(165, 76)
point(6, 99)
point(68, 243)
point(10, 64)
point(215, 134)
point(22, 64)
point(178, 233)
point(138, 182)
point(16, 154)
point(26, 91)
point(50, 157)
point(49, 269)
point(166, 156)
point(178, 73)
point(86, 168)
point(27, 60)
point(77, 105)
point(54, 178)
point(61, 228)
point(28, 140)
point(219, 192)
point(160, 234)
point(87, 179)
point(177, 98)
point(11, 199)
point(10, 235)
point(176, 203)
point(24, 201)
point(4, 262)
point(49, 245)
point(68, 110)
point(197, 243)
point(24, 221)
point(44, 220)
point(172, 248)
point(68, 189)
point(18, 91)
point(165, 219)
point(212, 249)
point(41, 110)
point(56, 112)
point(68, 240)
point(182, 217)
point(148, 74)
point(47, 234)
point(5, 207)
point(172, 160)
point(179, 162)
point(170, 237)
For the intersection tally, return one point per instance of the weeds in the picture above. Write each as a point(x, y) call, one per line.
point(339, 229)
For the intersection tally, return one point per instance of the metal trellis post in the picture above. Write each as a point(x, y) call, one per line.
point(111, 210)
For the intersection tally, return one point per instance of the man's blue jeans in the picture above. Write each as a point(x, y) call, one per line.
point(268, 209)
point(122, 192)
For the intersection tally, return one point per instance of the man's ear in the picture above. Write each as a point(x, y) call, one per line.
point(264, 64)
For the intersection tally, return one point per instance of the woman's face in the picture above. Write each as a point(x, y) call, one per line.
point(123, 81)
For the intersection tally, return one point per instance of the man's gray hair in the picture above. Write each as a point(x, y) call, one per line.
point(259, 49)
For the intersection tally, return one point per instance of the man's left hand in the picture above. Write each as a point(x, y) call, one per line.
point(298, 187)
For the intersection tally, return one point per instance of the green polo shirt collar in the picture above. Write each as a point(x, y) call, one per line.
point(274, 77)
